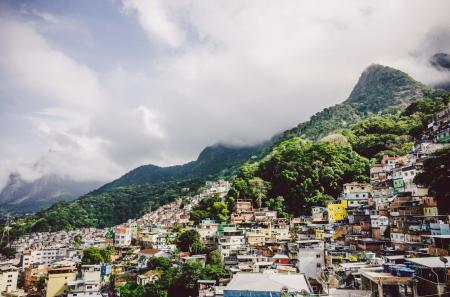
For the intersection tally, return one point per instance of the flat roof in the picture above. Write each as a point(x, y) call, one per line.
point(345, 293)
point(268, 282)
point(395, 257)
point(383, 276)
point(354, 265)
point(432, 262)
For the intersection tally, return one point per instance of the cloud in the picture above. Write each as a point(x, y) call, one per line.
point(190, 74)
point(157, 20)
point(40, 70)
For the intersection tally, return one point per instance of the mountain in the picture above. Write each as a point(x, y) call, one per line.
point(217, 159)
point(21, 196)
point(144, 188)
point(391, 111)
point(441, 61)
point(380, 89)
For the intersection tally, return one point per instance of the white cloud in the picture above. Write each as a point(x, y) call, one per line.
point(40, 70)
point(228, 71)
point(157, 20)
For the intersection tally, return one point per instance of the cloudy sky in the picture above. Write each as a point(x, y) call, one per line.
point(92, 89)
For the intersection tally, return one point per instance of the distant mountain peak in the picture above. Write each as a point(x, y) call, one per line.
point(20, 195)
point(380, 87)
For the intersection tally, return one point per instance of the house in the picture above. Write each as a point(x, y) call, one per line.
point(59, 275)
point(267, 284)
point(83, 288)
point(145, 254)
point(431, 275)
point(32, 276)
point(206, 288)
point(91, 273)
point(385, 283)
point(310, 257)
point(280, 259)
point(337, 211)
point(319, 214)
point(357, 194)
point(146, 278)
point(8, 278)
point(122, 236)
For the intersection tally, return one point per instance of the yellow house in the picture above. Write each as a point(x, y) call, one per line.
point(320, 234)
point(430, 211)
point(59, 274)
point(337, 211)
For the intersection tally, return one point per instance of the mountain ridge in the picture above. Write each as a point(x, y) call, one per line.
point(379, 90)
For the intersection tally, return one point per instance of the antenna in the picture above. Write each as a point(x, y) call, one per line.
point(6, 230)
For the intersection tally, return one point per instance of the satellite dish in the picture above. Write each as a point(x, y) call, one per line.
point(443, 259)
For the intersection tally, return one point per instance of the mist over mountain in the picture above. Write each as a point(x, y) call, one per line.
point(379, 90)
point(218, 159)
point(441, 61)
point(22, 196)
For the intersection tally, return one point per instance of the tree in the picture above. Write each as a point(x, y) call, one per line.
point(215, 258)
point(213, 208)
point(436, 176)
point(131, 290)
point(277, 204)
point(159, 263)
point(186, 239)
point(259, 188)
point(77, 240)
point(91, 256)
point(303, 174)
point(107, 253)
point(198, 248)
point(94, 255)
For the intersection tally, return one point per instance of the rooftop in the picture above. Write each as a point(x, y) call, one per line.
point(433, 262)
point(268, 282)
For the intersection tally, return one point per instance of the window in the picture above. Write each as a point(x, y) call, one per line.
point(318, 256)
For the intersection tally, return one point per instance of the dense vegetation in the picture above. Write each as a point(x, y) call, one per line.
point(380, 90)
point(177, 280)
point(93, 255)
point(287, 177)
point(297, 174)
point(137, 192)
point(213, 161)
point(436, 176)
point(210, 208)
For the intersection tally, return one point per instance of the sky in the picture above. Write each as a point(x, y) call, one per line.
point(92, 89)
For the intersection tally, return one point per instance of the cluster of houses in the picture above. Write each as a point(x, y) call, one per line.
point(381, 238)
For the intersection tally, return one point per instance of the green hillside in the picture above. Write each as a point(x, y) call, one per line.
point(290, 172)
point(379, 90)
point(385, 113)
point(140, 190)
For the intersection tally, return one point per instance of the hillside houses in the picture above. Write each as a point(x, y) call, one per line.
point(383, 237)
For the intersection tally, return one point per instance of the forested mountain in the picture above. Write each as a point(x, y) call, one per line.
point(385, 111)
point(298, 173)
point(379, 90)
point(217, 159)
point(140, 190)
